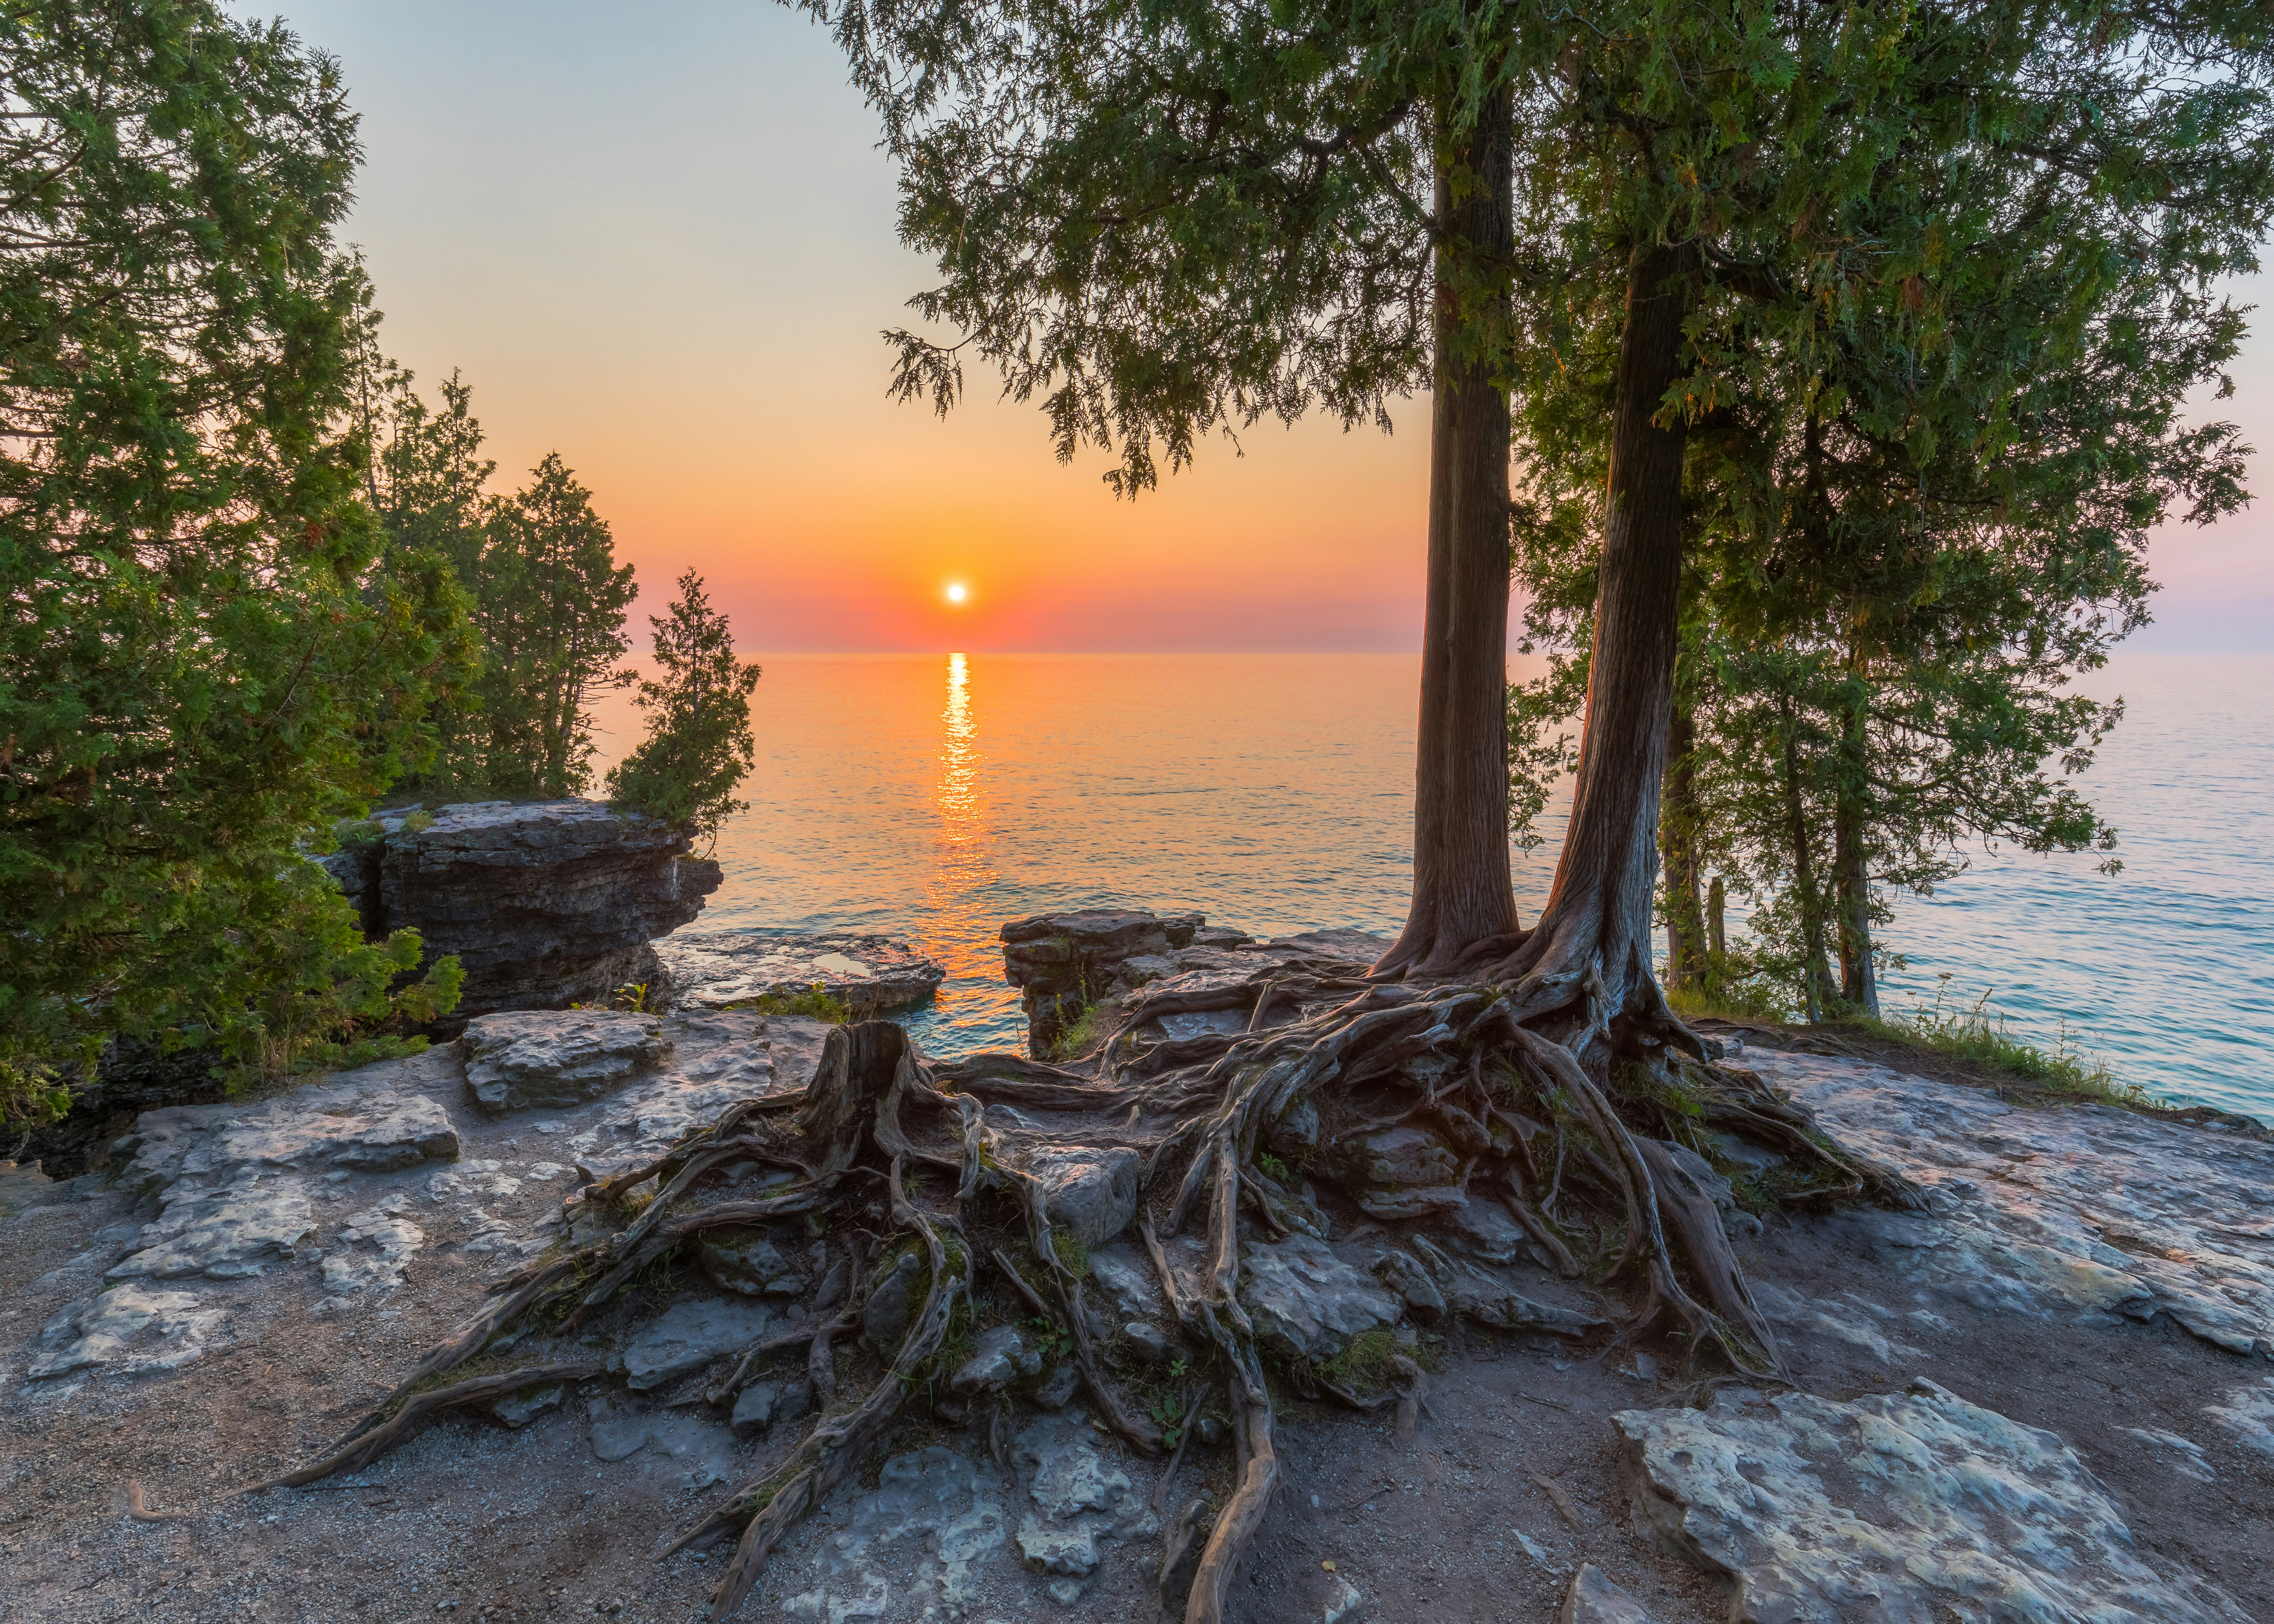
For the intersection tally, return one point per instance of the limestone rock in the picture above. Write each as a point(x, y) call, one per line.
point(1056, 1390)
point(1126, 1282)
point(892, 1304)
point(241, 1228)
point(1405, 1172)
point(717, 969)
point(1486, 1232)
point(341, 1127)
point(1494, 1303)
point(745, 1260)
point(761, 1403)
point(1090, 1193)
point(1058, 1550)
point(555, 1060)
point(1294, 1133)
point(545, 903)
point(1306, 1302)
point(2047, 1214)
point(1062, 962)
point(516, 1410)
point(1002, 1357)
point(130, 1329)
point(1149, 1342)
point(687, 1337)
point(2248, 1413)
point(393, 1241)
point(1906, 1508)
point(1411, 1281)
point(1592, 1598)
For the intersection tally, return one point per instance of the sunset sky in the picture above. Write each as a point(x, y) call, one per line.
point(659, 239)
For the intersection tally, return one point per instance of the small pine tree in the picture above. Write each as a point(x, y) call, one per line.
point(698, 745)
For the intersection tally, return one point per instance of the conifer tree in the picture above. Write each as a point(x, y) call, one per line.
point(207, 659)
point(698, 746)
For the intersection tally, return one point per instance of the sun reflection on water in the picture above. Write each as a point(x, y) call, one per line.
point(960, 926)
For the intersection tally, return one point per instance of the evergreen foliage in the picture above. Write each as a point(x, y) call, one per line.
point(1918, 498)
point(548, 600)
point(207, 654)
point(698, 746)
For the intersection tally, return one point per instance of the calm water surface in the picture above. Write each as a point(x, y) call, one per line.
point(935, 797)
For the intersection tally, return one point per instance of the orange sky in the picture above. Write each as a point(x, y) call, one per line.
point(659, 239)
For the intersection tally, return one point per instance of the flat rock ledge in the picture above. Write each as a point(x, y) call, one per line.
point(1907, 1508)
point(722, 969)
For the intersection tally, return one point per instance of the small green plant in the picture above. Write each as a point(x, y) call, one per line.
point(420, 822)
point(1073, 1256)
point(1050, 1338)
point(630, 998)
point(1168, 1414)
point(1978, 1034)
point(1271, 1165)
point(815, 1002)
point(1086, 1031)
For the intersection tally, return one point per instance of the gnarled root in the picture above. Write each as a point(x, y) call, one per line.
point(1550, 1094)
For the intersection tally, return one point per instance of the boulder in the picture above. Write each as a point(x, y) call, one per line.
point(1149, 1342)
point(555, 1060)
point(1056, 1390)
point(1126, 1282)
point(746, 1260)
point(1092, 1194)
point(545, 903)
point(719, 969)
point(687, 1337)
point(1306, 1302)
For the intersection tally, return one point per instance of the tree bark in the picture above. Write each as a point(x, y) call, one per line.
point(1462, 890)
point(1679, 823)
point(1815, 971)
point(1598, 917)
point(1851, 878)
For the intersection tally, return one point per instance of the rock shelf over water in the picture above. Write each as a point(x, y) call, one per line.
point(271, 1264)
point(868, 975)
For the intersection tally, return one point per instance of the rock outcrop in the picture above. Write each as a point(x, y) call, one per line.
point(545, 902)
point(1906, 1506)
point(719, 969)
point(1064, 963)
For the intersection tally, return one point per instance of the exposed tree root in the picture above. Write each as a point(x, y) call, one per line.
point(1550, 1096)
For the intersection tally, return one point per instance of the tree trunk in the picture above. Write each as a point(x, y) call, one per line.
point(1815, 972)
point(1462, 890)
point(1851, 878)
point(1680, 821)
point(1598, 915)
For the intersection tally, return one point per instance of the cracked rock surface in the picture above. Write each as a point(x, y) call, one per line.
point(1908, 1507)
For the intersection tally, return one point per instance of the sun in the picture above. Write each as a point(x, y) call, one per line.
point(956, 591)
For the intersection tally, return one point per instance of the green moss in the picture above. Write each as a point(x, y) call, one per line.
point(1365, 1364)
point(1073, 1256)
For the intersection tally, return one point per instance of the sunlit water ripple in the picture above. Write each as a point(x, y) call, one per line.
point(935, 797)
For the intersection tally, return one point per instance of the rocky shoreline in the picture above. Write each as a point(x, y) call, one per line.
point(2049, 1395)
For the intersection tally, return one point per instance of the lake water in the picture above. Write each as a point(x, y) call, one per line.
point(934, 797)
